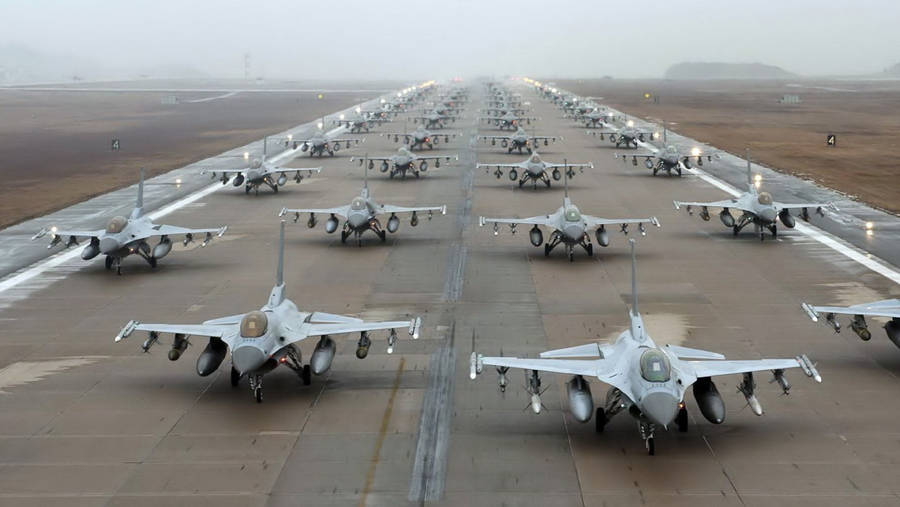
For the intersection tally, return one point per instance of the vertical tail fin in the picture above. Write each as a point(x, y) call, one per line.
point(750, 186)
point(634, 293)
point(665, 134)
point(566, 180)
point(279, 275)
point(366, 174)
point(139, 204)
point(265, 146)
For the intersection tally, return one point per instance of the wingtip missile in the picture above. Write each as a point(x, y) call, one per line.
point(810, 311)
point(808, 367)
point(415, 326)
point(127, 330)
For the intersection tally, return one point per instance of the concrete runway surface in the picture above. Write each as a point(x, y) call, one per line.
point(86, 422)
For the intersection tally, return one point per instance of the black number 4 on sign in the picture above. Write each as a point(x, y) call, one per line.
point(831, 140)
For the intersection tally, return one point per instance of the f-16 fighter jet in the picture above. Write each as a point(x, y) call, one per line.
point(757, 208)
point(260, 172)
point(508, 120)
point(887, 308)
point(569, 227)
point(434, 120)
point(323, 142)
point(362, 214)
point(126, 236)
point(363, 121)
point(405, 160)
point(629, 135)
point(420, 137)
point(647, 381)
point(534, 169)
point(263, 339)
point(670, 158)
point(520, 140)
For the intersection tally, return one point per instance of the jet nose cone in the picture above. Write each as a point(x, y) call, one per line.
point(573, 232)
point(247, 358)
point(660, 408)
point(357, 220)
point(768, 215)
point(108, 246)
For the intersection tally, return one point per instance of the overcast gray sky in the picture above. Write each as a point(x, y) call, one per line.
point(439, 38)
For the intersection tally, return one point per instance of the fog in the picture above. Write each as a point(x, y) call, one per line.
point(404, 39)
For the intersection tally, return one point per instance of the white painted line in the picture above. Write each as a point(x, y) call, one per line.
point(210, 99)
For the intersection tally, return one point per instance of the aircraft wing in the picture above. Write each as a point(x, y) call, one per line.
point(358, 326)
point(226, 332)
point(497, 138)
point(816, 206)
point(712, 368)
point(589, 165)
point(172, 230)
point(279, 169)
point(884, 308)
point(591, 368)
point(552, 139)
point(727, 203)
point(547, 220)
point(437, 157)
point(499, 165)
point(344, 140)
point(56, 234)
point(389, 208)
point(341, 211)
point(597, 221)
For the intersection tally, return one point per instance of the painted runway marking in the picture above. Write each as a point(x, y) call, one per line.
point(24, 372)
point(210, 99)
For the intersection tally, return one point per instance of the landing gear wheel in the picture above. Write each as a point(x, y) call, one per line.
point(108, 262)
point(547, 181)
point(682, 420)
point(247, 189)
point(678, 170)
point(521, 182)
point(391, 176)
point(382, 235)
point(774, 231)
point(651, 448)
point(655, 170)
point(571, 255)
point(735, 230)
point(275, 188)
point(344, 235)
point(257, 393)
point(600, 420)
point(306, 375)
point(546, 249)
point(590, 250)
point(235, 377)
point(152, 262)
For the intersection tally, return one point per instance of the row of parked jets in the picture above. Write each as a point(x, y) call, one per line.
point(646, 380)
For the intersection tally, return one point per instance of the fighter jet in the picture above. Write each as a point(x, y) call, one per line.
point(126, 236)
point(434, 120)
point(260, 172)
point(756, 208)
point(520, 140)
point(363, 121)
point(569, 227)
point(361, 215)
point(420, 137)
point(670, 158)
point(507, 121)
point(263, 339)
point(629, 135)
point(595, 118)
point(535, 169)
point(322, 142)
point(647, 381)
point(405, 160)
point(888, 308)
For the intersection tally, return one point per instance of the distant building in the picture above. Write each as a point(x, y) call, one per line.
point(789, 99)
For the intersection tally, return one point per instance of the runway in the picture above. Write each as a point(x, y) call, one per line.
point(86, 422)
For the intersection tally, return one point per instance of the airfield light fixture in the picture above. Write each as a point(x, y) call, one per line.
point(870, 228)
